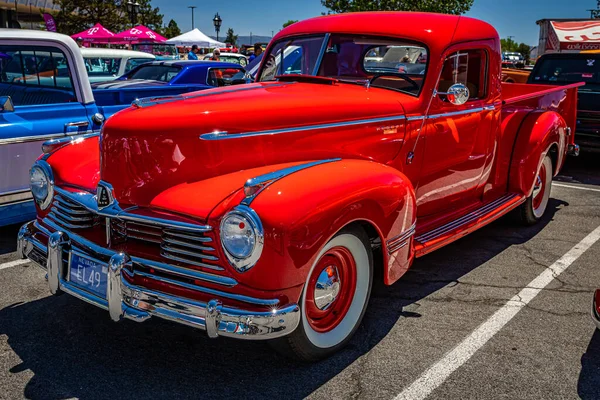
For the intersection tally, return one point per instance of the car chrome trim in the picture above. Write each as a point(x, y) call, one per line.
point(399, 241)
point(416, 118)
point(254, 186)
point(89, 202)
point(51, 145)
point(468, 218)
point(224, 135)
point(125, 300)
point(47, 170)
point(455, 113)
point(16, 196)
point(25, 139)
point(244, 264)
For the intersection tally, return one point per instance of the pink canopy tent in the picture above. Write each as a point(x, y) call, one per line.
point(97, 34)
point(140, 34)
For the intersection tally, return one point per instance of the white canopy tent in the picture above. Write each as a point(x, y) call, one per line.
point(194, 37)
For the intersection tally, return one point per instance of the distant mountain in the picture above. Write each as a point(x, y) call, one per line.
point(246, 39)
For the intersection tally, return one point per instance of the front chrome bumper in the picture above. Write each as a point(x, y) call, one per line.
point(124, 300)
point(595, 316)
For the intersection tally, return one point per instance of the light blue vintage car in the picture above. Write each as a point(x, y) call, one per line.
point(45, 94)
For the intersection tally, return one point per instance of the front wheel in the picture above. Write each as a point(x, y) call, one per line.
point(535, 206)
point(334, 298)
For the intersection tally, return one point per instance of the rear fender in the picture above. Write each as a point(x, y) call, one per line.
point(538, 133)
point(304, 210)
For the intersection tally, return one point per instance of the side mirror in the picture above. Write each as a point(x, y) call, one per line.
point(457, 94)
point(6, 104)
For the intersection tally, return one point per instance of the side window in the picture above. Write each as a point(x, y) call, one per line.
point(34, 75)
point(467, 67)
point(134, 62)
point(224, 76)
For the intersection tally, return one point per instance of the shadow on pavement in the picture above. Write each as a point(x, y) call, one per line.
point(8, 238)
point(588, 386)
point(74, 350)
point(582, 169)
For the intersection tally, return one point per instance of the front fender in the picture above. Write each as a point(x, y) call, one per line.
point(538, 133)
point(303, 210)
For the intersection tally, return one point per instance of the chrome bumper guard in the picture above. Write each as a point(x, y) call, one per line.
point(136, 303)
point(573, 150)
point(595, 316)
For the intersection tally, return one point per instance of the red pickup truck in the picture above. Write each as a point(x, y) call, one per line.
point(352, 166)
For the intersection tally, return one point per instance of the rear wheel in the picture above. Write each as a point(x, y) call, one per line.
point(334, 299)
point(535, 206)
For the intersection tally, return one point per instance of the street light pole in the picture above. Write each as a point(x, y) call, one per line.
point(192, 8)
point(217, 21)
point(133, 9)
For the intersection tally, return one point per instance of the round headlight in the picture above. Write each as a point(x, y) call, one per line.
point(242, 237)
point(41, 184)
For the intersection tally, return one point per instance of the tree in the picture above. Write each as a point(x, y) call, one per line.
point(289, 22)
point(524, 49)
point(171, 30)
point(439, 6)
point(231, 37)
point(77, 15)
point(508, 44)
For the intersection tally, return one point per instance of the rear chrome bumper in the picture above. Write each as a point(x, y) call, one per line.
point(595, 303)
point(124, 300)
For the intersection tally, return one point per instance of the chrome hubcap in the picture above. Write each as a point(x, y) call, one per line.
point(327, 287)
point(538, 186)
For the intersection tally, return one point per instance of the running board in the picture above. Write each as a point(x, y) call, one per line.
point(429, 241)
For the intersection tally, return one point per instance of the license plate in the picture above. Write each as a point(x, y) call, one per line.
point(89, 274)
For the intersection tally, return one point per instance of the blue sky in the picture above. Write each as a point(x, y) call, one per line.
point(510, 17)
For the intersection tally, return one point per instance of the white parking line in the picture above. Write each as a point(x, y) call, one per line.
point(11, 264)
point(439, 372)
point(575, 187)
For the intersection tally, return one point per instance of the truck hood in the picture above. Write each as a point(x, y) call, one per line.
point(148, 149)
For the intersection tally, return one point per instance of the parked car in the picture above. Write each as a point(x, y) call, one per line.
point(596, 308)
point(104, 64)
point(514, 73)
point(566, 68)
point(162, 51)
point(275, 223)
point(512, 56)
point(235, 58)
point(45, 94)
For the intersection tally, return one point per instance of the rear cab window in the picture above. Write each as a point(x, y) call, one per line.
point(563, 70)
point(468, 67)
point(34, 75)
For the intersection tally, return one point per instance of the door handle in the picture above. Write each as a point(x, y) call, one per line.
point(78, 124)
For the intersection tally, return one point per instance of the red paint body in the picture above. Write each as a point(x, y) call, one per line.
point(154, 158)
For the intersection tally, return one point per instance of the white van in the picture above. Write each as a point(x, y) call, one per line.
point(107, 64)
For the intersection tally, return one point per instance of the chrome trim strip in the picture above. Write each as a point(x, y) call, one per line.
point(219, 136)
point(187, 273)
point(188, 261)
point(151, 101)
point(25, 139)
point(455, 113)
point(187, 244)
point(57, 201)
point(70, 218)
point(51, 145)
point(236, 297)
point(254, 186)
point(203, 239)
point(17, 196)
point(397, 242)
point(489, 108)
point(470, 217)
point(66, 224)
point(321, 54)
point(88, 201)
point(170, 249)
point(416, 118)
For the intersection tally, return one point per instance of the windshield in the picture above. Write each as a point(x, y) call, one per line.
point(158, 49)
point(163, 73)
point(568, 70)
point(398, 65)
point(102, 66)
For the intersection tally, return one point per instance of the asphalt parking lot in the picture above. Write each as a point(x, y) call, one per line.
point(437, 333)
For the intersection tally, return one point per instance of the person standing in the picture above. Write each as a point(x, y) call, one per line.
point(257, 52)
point(192, 54)
point(216, 56)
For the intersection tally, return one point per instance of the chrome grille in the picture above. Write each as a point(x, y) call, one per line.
point(178, 245)
point(69, 214)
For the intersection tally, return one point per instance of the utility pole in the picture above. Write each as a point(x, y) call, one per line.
point(192, 8)
point(595, 14)
point(251, 38)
